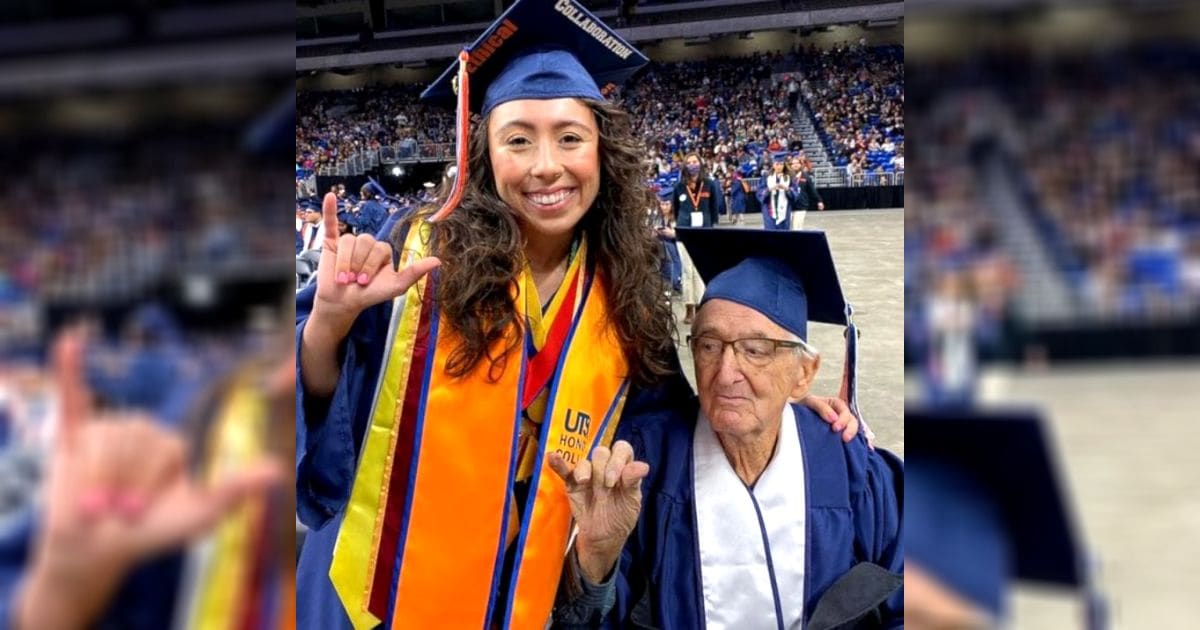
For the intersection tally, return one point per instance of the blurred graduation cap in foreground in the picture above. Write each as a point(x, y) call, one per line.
point(984, 508)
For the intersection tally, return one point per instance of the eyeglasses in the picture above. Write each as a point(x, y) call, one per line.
point(755, 351)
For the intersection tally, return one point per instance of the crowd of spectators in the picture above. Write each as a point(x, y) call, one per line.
point(734, 112)
point(332, 126)
point(856, 95)
point(103, 223)
point(1116, 178)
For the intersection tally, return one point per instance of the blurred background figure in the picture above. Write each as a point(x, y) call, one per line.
point(1051, 223)
point(142, 204)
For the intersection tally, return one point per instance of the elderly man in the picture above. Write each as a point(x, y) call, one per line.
point(754, 514)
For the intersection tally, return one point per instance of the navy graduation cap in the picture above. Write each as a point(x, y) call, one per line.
point(984, 507)
point(540, 49)
point(375, 188)
point(787, 276)
point(537, 49)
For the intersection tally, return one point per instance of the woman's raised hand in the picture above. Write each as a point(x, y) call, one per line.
point(356, 272)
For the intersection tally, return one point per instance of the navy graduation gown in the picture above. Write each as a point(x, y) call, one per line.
point(371, 217)
point(853, 516)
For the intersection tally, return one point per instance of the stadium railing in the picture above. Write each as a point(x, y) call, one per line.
point(361, 162)
point(840, 177)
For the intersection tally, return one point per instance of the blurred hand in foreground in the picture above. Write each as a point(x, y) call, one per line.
point(118, 492)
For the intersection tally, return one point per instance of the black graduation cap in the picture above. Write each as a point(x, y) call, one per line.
point(788, 276)
point(984, 506)
point(537, 49)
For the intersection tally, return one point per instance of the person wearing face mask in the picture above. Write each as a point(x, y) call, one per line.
point(439, 370)
point(697, 201)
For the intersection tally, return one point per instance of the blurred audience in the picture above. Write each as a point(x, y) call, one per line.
point(1116, 176)
point(115, 221)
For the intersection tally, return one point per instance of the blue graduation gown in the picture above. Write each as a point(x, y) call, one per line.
point(371, 216)
point(737, 198)
point(328, 437)
point(853, 515)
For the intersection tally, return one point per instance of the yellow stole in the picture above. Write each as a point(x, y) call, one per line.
point(423, 537)
point(233, 581)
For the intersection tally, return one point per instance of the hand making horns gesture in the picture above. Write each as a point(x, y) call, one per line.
point(356, 271)
point(606, 498)
point(118, 491)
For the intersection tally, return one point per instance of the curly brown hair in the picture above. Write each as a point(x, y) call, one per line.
point(481, 248)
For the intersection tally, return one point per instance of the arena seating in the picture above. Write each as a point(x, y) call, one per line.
point(1115, 179)
point(113, 221)
point(735, 112)
point(856, 96)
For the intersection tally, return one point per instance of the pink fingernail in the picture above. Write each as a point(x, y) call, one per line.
point(342, 277)
point(832, 416)
point(363, 278)
point(131, 505)
point(93, 502)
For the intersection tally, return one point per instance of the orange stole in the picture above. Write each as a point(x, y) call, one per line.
point(585, 401)
point(353, 566)
point(453, 542)
point(453, 532)
point(455, 522)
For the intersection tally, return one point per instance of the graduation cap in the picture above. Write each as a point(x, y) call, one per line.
point(376, 188)
point(535, 50)
point(787, 276)
point(984, 506)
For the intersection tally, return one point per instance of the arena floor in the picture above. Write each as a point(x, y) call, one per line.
point(868, 248)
